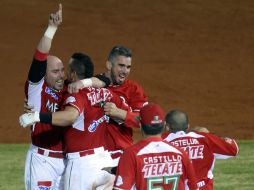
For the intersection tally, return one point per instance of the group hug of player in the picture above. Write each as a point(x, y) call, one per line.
point(82, 127)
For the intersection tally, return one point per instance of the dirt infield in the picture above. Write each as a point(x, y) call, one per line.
point(194, 55)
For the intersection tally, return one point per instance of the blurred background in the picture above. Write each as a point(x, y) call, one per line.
point(193, 55)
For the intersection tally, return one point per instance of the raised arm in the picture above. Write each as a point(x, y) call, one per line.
point(38, 68)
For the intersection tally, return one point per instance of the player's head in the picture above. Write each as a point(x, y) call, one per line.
point(177, 121)
point(119, 64)
point(152, 119)
point(80, 67)
point(55, 73)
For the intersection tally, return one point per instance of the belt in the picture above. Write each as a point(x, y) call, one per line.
point(86, 152)
point(50, 154)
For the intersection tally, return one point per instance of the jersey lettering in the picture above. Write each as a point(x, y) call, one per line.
point(161, 159)
point(194, 152)
point(185, 142)
point(201, 183)
point(99, 95)
point(52, 106)
point(162, 169)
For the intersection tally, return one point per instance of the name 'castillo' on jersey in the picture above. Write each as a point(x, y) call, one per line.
point(154, 164)
point(203, 149)
point(89, 130)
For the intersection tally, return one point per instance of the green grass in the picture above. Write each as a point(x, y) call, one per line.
point(233, 174)
point(236, 173)
point(12, 161)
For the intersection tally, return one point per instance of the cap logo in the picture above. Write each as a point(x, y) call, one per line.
point(156, 120)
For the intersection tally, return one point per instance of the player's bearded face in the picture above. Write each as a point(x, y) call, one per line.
point(120, 69)
point(55, 75)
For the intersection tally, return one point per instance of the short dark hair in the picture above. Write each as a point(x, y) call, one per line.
point(82, 65)
point(119, 50)
point(154, 129)
point(177, 120)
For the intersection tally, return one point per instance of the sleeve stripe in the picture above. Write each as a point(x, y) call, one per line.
point(71, 104)
point(237, 148)
point(40, 56)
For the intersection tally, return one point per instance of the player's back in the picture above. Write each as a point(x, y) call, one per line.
point(158, 165)
point(202, 149)
point(89, 129)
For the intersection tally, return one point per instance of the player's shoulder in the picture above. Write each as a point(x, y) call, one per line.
point(133, 86)
point(174, 148)
point(132, 83)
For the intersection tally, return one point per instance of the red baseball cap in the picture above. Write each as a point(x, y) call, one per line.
point(152, 114)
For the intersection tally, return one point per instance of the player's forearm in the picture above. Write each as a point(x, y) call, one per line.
point(98, 81)
point(63, 118)
point(46, 41)
point(131, 120)
point(119, 114)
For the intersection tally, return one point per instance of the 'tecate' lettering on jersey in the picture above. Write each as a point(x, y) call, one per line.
point(50, 92)
point(93, 126)
point(52, 106)
point(157, 166)
point(97, 95)
point(191, 147)
point(194, 152)
point(162, 169)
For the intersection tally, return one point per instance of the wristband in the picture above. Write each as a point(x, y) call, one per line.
point(87, 83)
point(46, 118)
point(50, 32)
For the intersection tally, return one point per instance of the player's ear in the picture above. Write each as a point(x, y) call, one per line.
point(167, 128)
point(108, 65)
point(74, 76)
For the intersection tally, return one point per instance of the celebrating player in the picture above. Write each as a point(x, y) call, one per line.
point(202, 147)
point(118, 67)
point(84, 141)
point(153, 163)
point(44, 90)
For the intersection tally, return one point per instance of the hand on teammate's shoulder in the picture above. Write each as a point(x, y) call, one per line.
point(200, 129)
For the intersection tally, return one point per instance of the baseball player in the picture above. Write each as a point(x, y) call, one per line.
point(153, 163)
point(84, 141)
point(44, 90)
point(118, 67)
point(203, 148)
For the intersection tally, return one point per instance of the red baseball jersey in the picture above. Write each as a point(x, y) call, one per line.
point(89, 130)
point(154, 164)
point(44, 99)
point(203, 149)
point(132, 94)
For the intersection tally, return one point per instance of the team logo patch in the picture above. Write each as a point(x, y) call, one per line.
point(70, 99)
point(51, 93)
point(93, 126)
point(119, 181)
point(44, 185)
point(156, 119)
